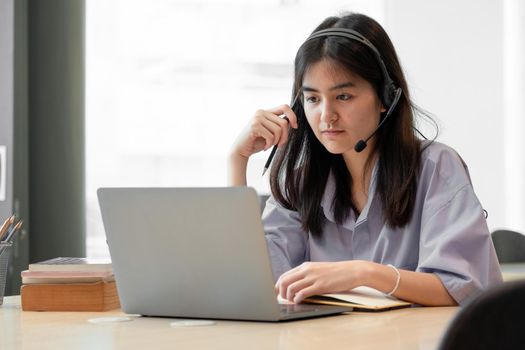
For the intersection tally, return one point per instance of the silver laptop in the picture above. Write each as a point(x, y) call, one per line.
point(194, 253)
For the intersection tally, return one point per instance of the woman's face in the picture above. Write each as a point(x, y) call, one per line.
point(341, 107)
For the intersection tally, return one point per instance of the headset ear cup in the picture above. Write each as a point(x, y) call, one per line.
point(389, 92)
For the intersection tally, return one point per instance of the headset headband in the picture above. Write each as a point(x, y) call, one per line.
point(389, 87)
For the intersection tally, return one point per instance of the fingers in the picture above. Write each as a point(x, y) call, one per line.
point(264, 127)
point(269, 125)
point(285, 280)
point(306, 292)
point(288, 112)
point(296, 284)
point(311, 278)
point(297, 291)
point(267, 128)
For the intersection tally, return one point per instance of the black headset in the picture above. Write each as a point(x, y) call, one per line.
point(390, 92)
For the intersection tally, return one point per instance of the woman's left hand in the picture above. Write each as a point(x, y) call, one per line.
point(312, 278)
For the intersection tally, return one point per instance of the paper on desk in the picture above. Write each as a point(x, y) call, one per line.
point(368, 297)
point(363, 297)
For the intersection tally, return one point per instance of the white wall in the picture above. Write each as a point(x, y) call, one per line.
point(453, 54)
point(514, 105)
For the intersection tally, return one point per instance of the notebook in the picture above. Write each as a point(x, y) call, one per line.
point(194, 253)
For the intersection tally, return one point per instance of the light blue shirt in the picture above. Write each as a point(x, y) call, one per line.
point(447, 235)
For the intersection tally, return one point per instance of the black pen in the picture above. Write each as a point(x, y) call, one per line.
point(269, 161)
point(274, 149)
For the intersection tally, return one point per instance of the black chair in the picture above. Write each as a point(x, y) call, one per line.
point(510, 246)
point(493, 320)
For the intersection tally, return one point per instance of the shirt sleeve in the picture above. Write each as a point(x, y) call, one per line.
point(455, 242)
point(286, 240)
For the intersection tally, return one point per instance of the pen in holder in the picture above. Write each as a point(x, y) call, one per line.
point(5, 251)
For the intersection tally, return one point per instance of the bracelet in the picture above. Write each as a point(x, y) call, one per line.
point(397, 280)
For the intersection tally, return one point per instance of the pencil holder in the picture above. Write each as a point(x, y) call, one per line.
point(5, 252)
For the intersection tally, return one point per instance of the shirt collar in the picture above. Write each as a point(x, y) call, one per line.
point(329, 193)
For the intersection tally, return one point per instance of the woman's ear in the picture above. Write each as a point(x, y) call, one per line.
point(383, 109)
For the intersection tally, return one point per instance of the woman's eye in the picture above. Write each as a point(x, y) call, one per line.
point(311, 99)
point(344, 97)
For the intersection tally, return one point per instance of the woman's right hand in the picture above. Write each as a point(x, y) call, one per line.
point(267, 128)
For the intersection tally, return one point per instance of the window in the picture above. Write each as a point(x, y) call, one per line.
point(171, 83)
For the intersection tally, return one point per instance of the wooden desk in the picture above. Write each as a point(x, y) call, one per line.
point(414, 328)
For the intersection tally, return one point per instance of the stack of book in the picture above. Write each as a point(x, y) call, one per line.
point(69, 284)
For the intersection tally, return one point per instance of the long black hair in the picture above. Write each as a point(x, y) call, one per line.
point(298, 176)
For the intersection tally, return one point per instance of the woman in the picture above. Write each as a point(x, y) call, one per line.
point(357, 197)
